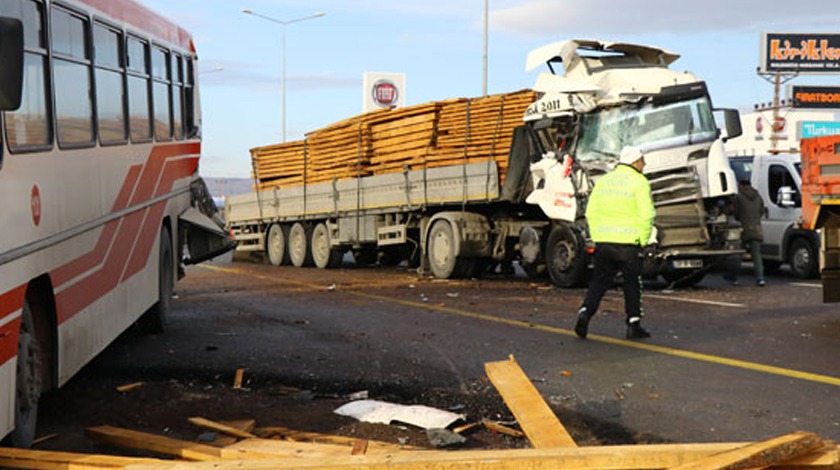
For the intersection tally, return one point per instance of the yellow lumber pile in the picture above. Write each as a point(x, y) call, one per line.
point(433, 134)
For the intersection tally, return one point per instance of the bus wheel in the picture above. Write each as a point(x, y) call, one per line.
point(803, 259)
point(276, 245)
point(442, 258)
point(28, 382)
point(299, 250)
point(155, 319)
point(564, 256)
point(323, 254)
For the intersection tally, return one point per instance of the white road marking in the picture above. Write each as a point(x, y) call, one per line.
point(805, 284)
point(695, 301)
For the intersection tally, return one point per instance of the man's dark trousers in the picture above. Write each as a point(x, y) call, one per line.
point(610, 258)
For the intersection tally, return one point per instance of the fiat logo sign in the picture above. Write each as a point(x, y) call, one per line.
point(385, 93)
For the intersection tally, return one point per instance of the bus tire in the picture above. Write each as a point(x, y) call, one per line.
point(299, 250)
point(275, 245)
point(324, 255)
point(28, 384)
point(154, 320)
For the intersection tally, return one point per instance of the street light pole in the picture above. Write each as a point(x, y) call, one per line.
point(283, 58)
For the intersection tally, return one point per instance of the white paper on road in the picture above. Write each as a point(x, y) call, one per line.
point(374, 411)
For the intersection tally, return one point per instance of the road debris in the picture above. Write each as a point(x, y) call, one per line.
point(375, 411)
point(251, 447)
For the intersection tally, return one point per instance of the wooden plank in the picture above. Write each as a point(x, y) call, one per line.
point(640, 457)
point(219, 427)
point(154, 443)
point(279, 432)
point(52, 460)
point(272, 448)
point(775, 451)
point(535, 417)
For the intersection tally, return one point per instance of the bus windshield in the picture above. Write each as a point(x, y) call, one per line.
point(605, 132)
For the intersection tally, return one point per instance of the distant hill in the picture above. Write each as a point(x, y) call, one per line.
point(222, 187)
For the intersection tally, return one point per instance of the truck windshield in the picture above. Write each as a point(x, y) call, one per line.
point(604, 132)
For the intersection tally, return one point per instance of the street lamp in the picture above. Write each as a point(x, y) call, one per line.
point(283, 54)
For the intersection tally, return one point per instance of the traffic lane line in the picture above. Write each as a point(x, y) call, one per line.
point(694, 301)
point(709, 358)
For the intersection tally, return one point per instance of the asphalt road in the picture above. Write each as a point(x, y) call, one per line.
point(725, 363)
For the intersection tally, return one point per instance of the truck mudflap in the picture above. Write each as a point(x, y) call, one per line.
point(201, 228)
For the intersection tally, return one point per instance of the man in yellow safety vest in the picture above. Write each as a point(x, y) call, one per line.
point(620, 215)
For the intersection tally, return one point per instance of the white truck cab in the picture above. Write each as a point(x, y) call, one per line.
point(777, 178)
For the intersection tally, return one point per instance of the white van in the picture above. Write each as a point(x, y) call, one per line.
point(778, 178)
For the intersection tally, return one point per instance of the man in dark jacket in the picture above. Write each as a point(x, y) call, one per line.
point(749, 209)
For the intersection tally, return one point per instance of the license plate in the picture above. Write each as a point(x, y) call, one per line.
point(688, 263)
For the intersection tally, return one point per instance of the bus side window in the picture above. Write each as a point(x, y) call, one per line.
point(139, 105)
point(71, 68)
point(161, 94)
point(178, 96)
point(30, 127)
point(190, 118)
point(110, 87)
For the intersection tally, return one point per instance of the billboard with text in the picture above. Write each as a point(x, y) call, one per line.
point(803, 53)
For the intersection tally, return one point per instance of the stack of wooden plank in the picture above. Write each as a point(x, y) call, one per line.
point(241, 445)
point(433, 134)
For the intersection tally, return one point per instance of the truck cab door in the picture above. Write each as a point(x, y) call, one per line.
point(780, 215)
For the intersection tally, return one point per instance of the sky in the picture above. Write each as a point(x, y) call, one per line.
point(439, 46)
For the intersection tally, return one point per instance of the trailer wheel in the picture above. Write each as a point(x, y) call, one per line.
point(442, 258)
point(565, 257)
point(156, 317)
point(27, 382)
point(299, 250)
point(803, 259)
point(323, 254)
point(276, 245)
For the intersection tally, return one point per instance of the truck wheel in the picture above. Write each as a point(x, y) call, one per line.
point(156, 317)
point(565, 257)
point(364, 256)
point(803, 259)
point(323, 254)
point(27, 382)
point(275, 245)
point(299, 250)
point(442, 258)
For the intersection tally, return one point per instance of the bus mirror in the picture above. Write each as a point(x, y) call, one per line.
point(11, 56)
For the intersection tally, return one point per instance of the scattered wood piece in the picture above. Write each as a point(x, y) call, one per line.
point(279, 432)
point(255, 449)
point(502, 429)
point(222, 428)
point(129, 387)
point(237, 379)
point(51, 460)
point(360, 447)
point(775, 451)
point(44, 438)
point(152, 442)
point(465, 427)
point(655, 456)
point(532, 413)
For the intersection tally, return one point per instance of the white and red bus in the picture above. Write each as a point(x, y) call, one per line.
point(99, 186)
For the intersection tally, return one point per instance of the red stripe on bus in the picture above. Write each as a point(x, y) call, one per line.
point(157, 178)
point(9, 340)
point(12, 301)
point(95, 256)
point(144, 19)
point(173, 170)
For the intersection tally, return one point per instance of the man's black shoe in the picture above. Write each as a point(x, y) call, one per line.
point(582, 325)
point(635, 331)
